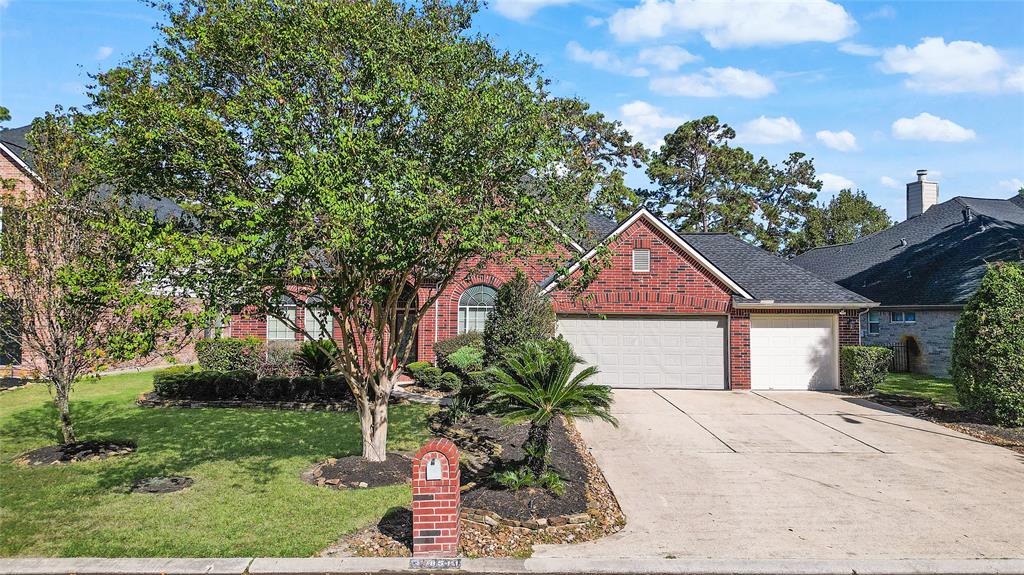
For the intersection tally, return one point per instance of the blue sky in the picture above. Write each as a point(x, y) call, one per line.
point(871, 90)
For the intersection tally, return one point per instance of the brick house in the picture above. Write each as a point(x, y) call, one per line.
point(923, 270)
point(702, 311)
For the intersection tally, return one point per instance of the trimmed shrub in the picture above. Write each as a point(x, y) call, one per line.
point(466, 359)
point(245, 386)
point(416, 366)
point(477, 387)
point(862, 367)
point(163, 374)
point(280, 360)
point(988, 347)
point(446, 347)
point(433, 378)
point(230, 353)
point(521, 313)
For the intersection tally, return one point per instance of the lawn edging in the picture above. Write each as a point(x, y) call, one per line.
point(647, 566)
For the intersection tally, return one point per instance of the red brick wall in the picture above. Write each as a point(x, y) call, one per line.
point(436, 503)
point(739, 349)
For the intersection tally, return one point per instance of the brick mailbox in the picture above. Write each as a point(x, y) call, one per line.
point(436, 500)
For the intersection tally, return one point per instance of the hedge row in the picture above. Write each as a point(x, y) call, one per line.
point(177, 383)
point(862, 367)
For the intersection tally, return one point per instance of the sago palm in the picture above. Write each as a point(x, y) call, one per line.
point(537, 384)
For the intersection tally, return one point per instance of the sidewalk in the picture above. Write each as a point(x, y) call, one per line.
point(320, 566)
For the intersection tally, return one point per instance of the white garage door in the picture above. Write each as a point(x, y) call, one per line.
point(651, 352)
point(792, 352)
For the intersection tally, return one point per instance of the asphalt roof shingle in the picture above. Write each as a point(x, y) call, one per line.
point(933, 259)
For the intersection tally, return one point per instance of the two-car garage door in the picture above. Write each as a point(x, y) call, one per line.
point(651, 351)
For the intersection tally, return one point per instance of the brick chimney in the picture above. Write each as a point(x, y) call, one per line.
point(921, 195)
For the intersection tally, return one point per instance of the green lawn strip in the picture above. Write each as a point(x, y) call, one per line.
point(916, 385)
point(247, 498)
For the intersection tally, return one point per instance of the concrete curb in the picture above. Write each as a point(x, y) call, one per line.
point(535, 566)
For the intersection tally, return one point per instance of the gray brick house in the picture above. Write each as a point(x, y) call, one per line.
point(924, 269)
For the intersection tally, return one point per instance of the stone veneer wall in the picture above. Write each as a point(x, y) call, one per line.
point(933, 331)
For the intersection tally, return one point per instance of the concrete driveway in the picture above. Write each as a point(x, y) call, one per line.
point(789, 475)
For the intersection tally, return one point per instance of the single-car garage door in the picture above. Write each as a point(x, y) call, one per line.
point(651, 352)
point(793, 352)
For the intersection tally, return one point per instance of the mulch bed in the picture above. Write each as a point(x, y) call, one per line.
point(955, 418)
point(354, 472)
point(485, 445)
point(74, 452)
point(168, 484)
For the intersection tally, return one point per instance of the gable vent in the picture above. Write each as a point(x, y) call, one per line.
point(641, 260)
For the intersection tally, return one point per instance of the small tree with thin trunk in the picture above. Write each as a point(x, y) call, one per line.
point(71, 271)
point(365, 153)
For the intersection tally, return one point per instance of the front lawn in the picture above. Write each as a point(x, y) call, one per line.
point(917, 385)
point(247, 498)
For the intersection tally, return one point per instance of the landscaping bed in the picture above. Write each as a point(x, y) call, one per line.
point(355, 472)
point(74, 452)
point(955, 418)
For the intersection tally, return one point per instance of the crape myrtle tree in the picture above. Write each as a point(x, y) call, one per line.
point(73, 271)
point(355, 151)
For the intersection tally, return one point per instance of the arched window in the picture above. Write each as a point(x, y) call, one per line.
point(319, 323)
point(475, 305)
point(277, 329)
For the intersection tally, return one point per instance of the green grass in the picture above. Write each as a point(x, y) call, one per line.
point(916, 385)
point(247, 498)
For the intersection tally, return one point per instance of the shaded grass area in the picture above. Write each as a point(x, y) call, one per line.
point(917, 385)
point(247, 498)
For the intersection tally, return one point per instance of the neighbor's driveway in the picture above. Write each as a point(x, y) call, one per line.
point(712, 474)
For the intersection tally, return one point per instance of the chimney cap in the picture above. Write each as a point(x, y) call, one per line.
point(921, 174)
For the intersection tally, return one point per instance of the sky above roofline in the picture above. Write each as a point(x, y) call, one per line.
point(871, 90)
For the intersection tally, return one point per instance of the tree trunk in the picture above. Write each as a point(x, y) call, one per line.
point(373, 422)
point(537, 454)
point(61, 401)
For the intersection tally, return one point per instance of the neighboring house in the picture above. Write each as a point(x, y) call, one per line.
point(669, 310)
point(17, 166)
point(923, 270)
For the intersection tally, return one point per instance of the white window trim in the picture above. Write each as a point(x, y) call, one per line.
point(878, 323)
point(645, 260)
point(290, 310)
point(463, 311)
point(903, 315)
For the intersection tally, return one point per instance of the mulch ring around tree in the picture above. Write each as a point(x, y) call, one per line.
point(957, 419)
point(529, 516)
point(159, 485)
point(355, 472)
point(74, 452)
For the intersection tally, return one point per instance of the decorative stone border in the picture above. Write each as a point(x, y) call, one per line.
point(151, 400)
point(491, 519)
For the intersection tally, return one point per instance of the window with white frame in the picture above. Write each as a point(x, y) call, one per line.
point(903, 317)
point(475, 305)
point(874, 322)
point(318, 321)
point(641, 260)
point(277, 329)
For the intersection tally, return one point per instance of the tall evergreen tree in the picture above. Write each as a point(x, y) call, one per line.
point(846, 217)
point(785, 195)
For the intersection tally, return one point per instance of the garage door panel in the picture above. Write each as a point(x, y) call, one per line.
point(651, 351)
point(793, 352)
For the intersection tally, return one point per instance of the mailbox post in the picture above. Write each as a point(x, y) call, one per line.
point(436, 500)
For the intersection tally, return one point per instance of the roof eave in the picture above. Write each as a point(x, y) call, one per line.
point(768, 304)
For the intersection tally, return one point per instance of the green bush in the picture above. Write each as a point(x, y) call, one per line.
point(476, 388)
point(244, 385)
point(280, 360)
point(230, 353)
point(862, 368)
point(446, 347)
point(161, 375)
point(521, 313)
point(988, 347)
point(466, 359)
point(317, 358)
point(416, 366)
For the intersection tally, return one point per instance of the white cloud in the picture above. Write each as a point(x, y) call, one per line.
point(959, 66)
point(715, 82)
point(647, 123)
point(603, 60)
point(1014, 81)
point(104, 52)
point(1013, 184)
point(884, 12)
point(593, 21)
point(521, 10)
point(668, 57)
point(930, 128)
point(843, 141)
point(890, 183)
point(832, 183)
point(769, 131)
point(856, 49)
point(731, 23)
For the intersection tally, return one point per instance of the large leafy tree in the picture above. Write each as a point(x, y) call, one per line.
point(359, 151)
point(845, 218)
point(73, 273)
point(785, 195)
point(703, 181)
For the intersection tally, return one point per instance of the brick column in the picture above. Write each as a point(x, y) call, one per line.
point(436, 482)
point(739, 349)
